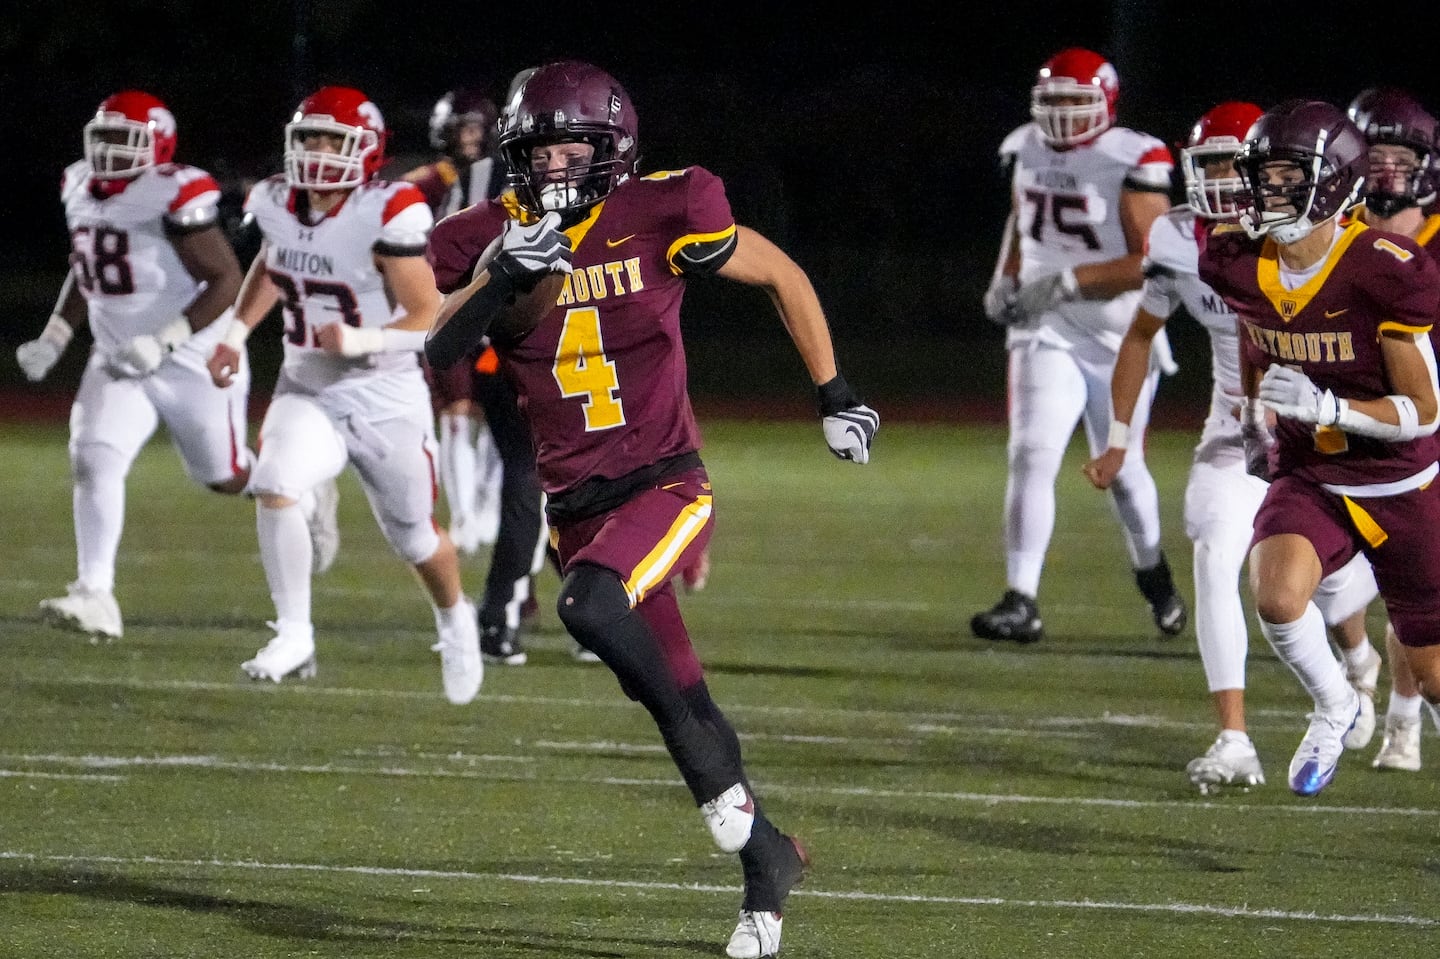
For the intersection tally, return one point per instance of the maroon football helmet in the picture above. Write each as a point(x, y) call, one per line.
point(568, 102)
point(1216, 136)
point(1326, 159)
point(1084, 77)
point(1390, 116)
point(456, 109)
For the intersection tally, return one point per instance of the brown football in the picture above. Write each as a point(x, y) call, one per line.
point(521, 317)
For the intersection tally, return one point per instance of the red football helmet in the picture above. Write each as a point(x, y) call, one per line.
point(358, 133)
point(1073, 99)
point(130, 132)
point(1217, 136)
point(569, 101)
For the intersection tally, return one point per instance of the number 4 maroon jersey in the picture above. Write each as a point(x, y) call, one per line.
point(1329, 328)
point(602, 379)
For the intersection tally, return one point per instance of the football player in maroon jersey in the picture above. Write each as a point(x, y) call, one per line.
point(1334, 325)
point(1398, 193)
point(601, 376)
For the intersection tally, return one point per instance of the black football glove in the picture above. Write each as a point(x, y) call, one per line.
point(849, 424)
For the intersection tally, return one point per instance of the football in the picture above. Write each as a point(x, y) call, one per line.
point(521, 317)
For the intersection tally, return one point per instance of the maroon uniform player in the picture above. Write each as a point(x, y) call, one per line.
point(1398, 193)
point(1334, 323)
point(602, 382)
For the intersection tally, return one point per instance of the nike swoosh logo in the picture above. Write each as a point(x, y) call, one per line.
point(614, 243)
point(1330, 315)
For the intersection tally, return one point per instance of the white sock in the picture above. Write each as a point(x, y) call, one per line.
point(1236, 736)
point(1405, 708)
point(286, 554)
point(1357, 658)
point(98, 501)
point(1303, 646)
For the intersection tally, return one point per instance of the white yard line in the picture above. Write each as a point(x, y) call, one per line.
point(1177, 908)
point(529, 772)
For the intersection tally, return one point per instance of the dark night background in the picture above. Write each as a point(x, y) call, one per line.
point(864, 144)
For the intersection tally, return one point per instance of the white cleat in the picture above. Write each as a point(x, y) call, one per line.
point(756, 935)
point(1317, 758)
point(321, 507)
point(730, 816)
point(582, 655)
point(84, 610)
point(292, 651)
point(1364, 681)
point(461, 668)
point(1228, 762)
point(1400, 749)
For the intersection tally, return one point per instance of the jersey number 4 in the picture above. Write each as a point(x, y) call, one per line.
point(1053, 207)
point(581, 369)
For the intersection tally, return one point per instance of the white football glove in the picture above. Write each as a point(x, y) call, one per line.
point(999, 300)
point(1290, 393)
point(1043, 293)
point(529, 252)
point(36, 357)
point(849, 425)
point(144, 353)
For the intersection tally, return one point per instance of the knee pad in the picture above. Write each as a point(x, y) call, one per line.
point(591, 598)
point(412, 542)
point(95, 462)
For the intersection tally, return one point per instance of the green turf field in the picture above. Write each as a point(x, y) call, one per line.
point(959, 799)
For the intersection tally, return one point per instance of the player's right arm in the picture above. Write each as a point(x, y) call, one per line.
point(258, 296)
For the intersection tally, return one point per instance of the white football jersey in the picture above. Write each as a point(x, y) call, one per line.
point(1067, 205)
point(124, 263)
point(326, 273)
point(1172, 280)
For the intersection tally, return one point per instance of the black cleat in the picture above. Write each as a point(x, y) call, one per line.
point(1166, 605)
point(500, 644)
point(1016, 617)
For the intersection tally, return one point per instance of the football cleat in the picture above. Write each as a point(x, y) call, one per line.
point(1016, 617)
point(501, 644)
point(1364, 680)
point(582, 655)
point(757, 934)
point(1318, 756)
point(291, 652)
point(1228, 762)
point(730, 816)
point(462, 669)
point(1400, 749)
point(84, 610)
point(1167, 607)
point(321, 507)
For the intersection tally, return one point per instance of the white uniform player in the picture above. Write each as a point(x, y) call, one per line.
point(151, 271)
point(339, 248)
point(1221, 496)
point(1084, 192)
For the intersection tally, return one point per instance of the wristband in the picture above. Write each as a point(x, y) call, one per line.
point(236, 335)
point(836, 395)
point(395, 340)
point(1119, 435)
point(57, 332)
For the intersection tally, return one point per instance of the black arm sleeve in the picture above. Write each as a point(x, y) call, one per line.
point(449, 343)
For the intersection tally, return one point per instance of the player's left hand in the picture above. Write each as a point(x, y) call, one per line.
point(1290, 393)
point(1102, 470)
point(849, 425)
point(1041, 294)
point(144, 353)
